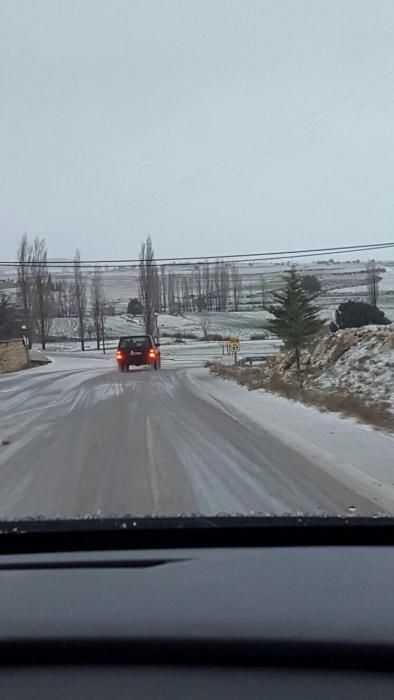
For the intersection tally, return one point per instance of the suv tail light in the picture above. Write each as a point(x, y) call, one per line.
point(152, 354)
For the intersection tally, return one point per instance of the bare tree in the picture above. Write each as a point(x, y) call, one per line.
point(69, 299)
point(236, 285)
point(164, 288)
point(208, 288)
point(25, 285)
point(42, 290)
point(263, 289)
point(199, 288)
point(216, 285)
point(171, 292)
point(205, 324)
point(372, 282)
point(64, 302)
point(97, 303)
point(148, 283)
point(185, 293)
point(178, 299)
point(103, 311)
point(80, 297)
point(10, 319)
point(60, 309)
point(156, 289)
point(222, 284)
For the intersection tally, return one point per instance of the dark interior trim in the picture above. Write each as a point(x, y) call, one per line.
point(209, 652)
point(155, 533)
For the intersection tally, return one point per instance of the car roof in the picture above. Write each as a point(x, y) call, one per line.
point(131, 337)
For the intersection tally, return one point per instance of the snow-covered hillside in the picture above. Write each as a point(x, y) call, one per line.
point(360, 360)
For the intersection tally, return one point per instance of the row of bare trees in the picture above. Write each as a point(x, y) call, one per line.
point(35, 289)
point(170, 288)
point(41, 298)
point(216, 286)
point(204, 287)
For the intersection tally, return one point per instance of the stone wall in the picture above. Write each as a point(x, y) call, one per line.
point(12, 355)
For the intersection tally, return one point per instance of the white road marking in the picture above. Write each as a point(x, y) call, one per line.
point(152, 467)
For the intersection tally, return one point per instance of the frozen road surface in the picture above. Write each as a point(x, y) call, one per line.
point(86, 439)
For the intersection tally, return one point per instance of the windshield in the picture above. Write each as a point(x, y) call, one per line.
point(137, 342)
point(196, 259)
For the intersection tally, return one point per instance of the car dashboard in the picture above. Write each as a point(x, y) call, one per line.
point(285, 621)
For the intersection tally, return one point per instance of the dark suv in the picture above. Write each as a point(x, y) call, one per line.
point(137, 350)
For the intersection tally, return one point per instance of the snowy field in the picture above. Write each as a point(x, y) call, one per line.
point(121, 285)
point(340, 281)
point(241, 323)
point(386, 284)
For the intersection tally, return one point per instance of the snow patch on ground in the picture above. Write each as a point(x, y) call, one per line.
point(235, 323)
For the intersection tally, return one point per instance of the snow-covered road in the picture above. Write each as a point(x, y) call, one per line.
point(86, 439)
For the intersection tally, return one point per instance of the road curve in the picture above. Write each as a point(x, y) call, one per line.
point(86, 439)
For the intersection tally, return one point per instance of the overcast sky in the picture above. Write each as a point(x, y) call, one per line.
point(215, 126)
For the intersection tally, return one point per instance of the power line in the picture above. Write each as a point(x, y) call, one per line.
point(260, 161)
point(253, 147)
point(213, 258)
point(237, 172)
point(242, 258)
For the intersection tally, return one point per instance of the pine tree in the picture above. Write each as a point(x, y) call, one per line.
point(296, 318)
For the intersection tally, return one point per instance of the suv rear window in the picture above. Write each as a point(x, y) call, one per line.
point(134, 343)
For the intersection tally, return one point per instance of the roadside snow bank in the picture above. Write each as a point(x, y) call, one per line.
point(350, 372)
point(356, 454)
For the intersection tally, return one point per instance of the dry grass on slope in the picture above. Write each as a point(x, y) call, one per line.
point(350, 372)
